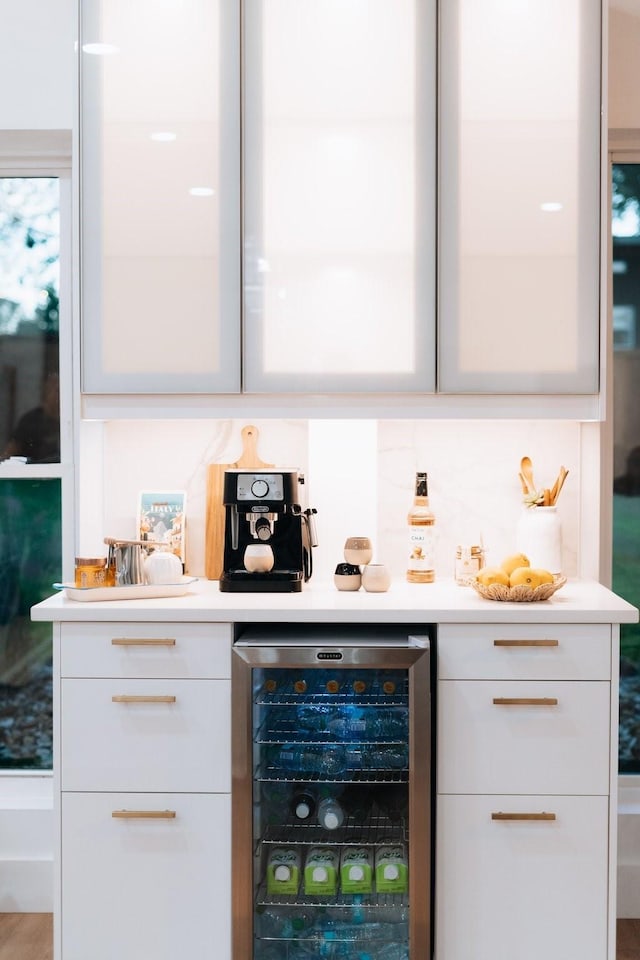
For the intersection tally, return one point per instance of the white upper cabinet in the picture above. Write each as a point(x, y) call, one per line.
point(264, 198)
point(339, 195)
point(160, 196)
point(519, 196)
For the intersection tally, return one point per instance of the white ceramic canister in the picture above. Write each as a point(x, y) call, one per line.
point(376, 578)
point(162, 566)
point(539, 537)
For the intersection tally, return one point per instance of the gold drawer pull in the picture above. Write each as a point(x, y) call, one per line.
point(526, 701)
point(525, 643)
point(523, 816)
point(143, 814)
point(143, 642)
point(132, 698)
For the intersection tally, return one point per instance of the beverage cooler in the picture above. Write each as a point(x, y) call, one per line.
point(332, 798)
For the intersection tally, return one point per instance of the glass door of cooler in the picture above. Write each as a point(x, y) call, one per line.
point(332, 800)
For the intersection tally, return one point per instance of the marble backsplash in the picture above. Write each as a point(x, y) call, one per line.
point(359, 475)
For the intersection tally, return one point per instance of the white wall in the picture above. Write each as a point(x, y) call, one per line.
point(37, 64)
point(360, 477)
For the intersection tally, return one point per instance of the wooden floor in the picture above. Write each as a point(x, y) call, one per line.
point(28, 936)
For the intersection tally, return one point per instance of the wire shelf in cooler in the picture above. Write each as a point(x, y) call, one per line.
point(270, 774)
point(347, 901)
point(373, 831)
point(291, 699)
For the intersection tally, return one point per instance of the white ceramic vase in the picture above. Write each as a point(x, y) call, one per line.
point(539, 537)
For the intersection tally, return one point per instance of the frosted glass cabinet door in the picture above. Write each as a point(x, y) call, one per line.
point(339, 185)
point(160, 188)
point(519, 196)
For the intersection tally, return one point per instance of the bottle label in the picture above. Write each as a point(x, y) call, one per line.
point(421, 548)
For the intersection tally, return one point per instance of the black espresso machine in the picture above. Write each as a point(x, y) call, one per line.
point(268, 537)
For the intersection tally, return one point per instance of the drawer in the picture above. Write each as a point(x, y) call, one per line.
point(518, 747)
point(146, 650)
point(524, 651)
point(524, 889)
point(146, 887)
point(156, 735)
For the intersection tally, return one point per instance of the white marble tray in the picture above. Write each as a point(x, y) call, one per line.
point(134, 591)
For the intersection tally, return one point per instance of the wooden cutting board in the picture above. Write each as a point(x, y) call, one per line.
point(215, 513)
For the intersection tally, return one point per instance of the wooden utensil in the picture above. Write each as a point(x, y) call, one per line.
point(527, 472)
point(558, 485)
point(215, 513)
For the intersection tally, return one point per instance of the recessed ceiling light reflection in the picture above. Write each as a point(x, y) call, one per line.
point(202, 191)
point(164, 136)
point(100, 49)
point(551, 206)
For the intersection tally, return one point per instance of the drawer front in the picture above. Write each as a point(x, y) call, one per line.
point(146, 650)
point(539, 737)
point(522, 889)
point(165, 735)
point(524, 651)
point(146, 887)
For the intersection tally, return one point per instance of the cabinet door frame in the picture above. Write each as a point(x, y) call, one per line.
point(583, 378)
point(421, 378)
point(224, 376)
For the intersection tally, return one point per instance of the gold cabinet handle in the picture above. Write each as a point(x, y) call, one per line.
point(526, 701)
point(133, 698)
point(143, 642)
point(143, 814)
point(525, 643)
point(499, 815)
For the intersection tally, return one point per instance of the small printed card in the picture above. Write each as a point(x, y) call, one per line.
point(161, 517)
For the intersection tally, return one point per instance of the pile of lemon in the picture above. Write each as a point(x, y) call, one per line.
point(514, 571)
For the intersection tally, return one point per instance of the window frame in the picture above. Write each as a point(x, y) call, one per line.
point(47, 153)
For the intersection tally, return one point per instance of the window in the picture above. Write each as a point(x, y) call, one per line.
point(32, 468)
point(626, 444)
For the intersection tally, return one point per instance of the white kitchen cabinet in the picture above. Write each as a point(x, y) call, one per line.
point(143, 787)
point(130, 719)
point(339, 196)
point(160, 196)
point(525, 888)
point(526, 736)
point(328, 285)
point(520, 129)
point(144, 883)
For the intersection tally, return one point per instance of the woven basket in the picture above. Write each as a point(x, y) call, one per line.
point(519, 594)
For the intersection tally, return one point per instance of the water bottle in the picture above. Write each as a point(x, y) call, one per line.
point(286, 923)
point(324, 759)
point(390, 724)
point(371, 724)
point(330, 814)
point(303, 805)
point(392, 757)
point(314, 717)
point(352, 726)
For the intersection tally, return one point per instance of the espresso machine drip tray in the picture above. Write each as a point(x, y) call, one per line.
point(276, 581)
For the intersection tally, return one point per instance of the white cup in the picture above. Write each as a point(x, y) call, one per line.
point(258, 557)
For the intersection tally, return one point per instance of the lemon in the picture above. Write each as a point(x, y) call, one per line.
point(490, 575)
point(525, 576)
point(513, 562)
point(545, 576)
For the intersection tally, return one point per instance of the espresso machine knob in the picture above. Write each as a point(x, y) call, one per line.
point(260, 489)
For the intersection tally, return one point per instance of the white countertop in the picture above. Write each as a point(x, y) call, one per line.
point(440, 602)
